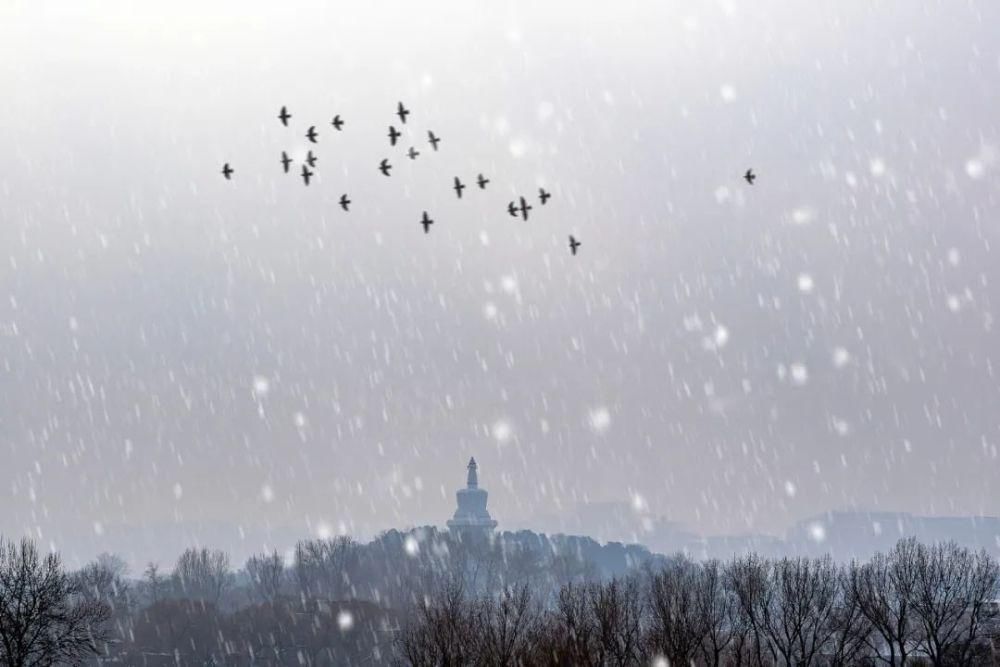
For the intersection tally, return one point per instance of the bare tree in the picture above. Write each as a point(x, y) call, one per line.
point(506, 627)
point(154, 582)
point(568, 635)
point(322, 566)
point(851, 630)
point(801, 626)
point(717, 610)
point(617, 607)
point(267, 575)
point(749, 580)
point(440, 632)
point(203, 574)
point(949, 600)
point(982, 609)
point(106, 580)
point(789, 604)
point(753, 611)
point(677, 623)
point(884, 588)
point(44, 616)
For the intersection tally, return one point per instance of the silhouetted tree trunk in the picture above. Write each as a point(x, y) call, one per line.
point(983, 610)
point(949, 598)
point(851, 630)
point(45, 618)
point(800, 625)
point(677, 621)
point(717, 609)
point(883, 588)
point(749, 580)
point(789, 604)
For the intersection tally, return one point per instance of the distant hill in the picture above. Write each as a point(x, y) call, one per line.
point(842, 534)
point(847, 535)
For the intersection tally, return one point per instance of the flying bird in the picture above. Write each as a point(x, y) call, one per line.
point(434, 140)
point(749, 177)
point(426, 222)
point(337, 123)
point(543, 195)
point(413, 153)
point(306, 174)
point(284, 116)
point(393, 135)
point(573, 244)
point(311, 159)
point(285, 160)
point(384, 167)
point(481, 181)
point(458, 187)
point(311, 134)
point(524, 208)
point(227, 171)
point(512, 209)
point(402, 112)
point(344, 202)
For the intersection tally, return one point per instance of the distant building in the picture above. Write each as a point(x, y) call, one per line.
point(472, 519)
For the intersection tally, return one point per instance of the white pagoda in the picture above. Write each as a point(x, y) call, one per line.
point(472, 519)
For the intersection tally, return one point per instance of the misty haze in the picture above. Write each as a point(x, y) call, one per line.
point(499, 333)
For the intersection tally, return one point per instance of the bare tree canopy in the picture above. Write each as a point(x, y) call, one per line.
point(927, 604)
point(267, 575)
point(106, 579)
point(953, 587)
point(46, 617)
point(415, 603)
point(677, 624)
point(203, 574)
point(321, 566)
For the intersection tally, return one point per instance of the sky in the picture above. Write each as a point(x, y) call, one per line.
point(189, 360)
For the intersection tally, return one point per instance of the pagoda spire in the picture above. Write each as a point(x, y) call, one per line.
point(473, 479)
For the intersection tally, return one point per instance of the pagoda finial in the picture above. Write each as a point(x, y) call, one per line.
point(473, 479)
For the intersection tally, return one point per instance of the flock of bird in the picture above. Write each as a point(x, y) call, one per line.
point(521, 207)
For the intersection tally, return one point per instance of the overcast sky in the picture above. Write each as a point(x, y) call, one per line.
point(242, 364)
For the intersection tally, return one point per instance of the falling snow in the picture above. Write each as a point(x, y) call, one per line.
point(242, 365)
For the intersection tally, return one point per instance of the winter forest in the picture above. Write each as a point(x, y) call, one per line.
point(520, 333)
